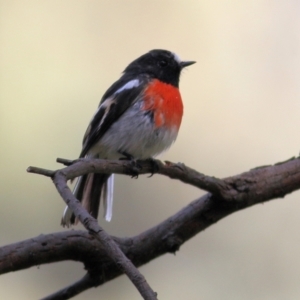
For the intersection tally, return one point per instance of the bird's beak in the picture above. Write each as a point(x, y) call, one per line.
point(184, 64)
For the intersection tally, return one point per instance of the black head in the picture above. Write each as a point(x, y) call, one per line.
point(161, 64)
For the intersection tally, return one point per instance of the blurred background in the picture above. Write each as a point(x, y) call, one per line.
point(242, 104)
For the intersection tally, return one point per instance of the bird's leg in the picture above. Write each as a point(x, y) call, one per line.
point(127, 156)
point(135, 166)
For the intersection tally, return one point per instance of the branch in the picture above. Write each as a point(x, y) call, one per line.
point(76, 288)
point(172, 170)
point(111, 248)
point(230, 195)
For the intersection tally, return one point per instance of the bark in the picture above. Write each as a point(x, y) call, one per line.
point(106, 257)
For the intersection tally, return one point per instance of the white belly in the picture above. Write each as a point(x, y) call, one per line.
point(134, 133)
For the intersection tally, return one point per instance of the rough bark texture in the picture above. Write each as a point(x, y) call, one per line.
point(106, 258)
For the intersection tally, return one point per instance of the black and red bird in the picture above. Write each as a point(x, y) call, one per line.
point(138, 117)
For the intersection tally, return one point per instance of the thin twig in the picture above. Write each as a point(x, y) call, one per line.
point(40, 171)
point(74, 289)
point(112, 249)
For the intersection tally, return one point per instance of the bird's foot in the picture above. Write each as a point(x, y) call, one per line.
point(135, 167)
point(154, 166)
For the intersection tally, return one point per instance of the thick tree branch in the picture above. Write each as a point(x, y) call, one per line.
point(231, 194)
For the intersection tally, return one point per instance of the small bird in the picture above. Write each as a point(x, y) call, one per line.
point(138, 118)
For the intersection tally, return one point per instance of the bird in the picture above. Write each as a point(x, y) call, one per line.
point(138, 117)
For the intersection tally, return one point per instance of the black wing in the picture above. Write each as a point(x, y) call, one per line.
point(112, 105)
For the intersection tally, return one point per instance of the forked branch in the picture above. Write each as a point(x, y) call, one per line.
point(106, 260)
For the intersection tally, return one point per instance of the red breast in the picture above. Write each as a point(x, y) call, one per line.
point(164, 100)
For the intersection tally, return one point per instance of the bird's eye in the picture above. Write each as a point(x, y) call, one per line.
point(163, 63)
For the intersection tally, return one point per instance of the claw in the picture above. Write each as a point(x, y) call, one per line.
point(127, 156)
point(135, 168)
point(154, 166)
point(134, 165)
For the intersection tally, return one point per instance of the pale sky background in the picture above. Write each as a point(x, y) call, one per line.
point(242, 108)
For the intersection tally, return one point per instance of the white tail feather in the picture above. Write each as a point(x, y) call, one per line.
point(66, 218)
point(108, 197)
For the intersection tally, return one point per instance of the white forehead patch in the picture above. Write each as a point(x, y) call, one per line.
point(129, 85)
point(176, 57)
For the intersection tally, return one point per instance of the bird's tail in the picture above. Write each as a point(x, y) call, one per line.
point(90, 189)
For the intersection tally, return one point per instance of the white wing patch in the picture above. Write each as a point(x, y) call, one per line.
point(129, 85)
